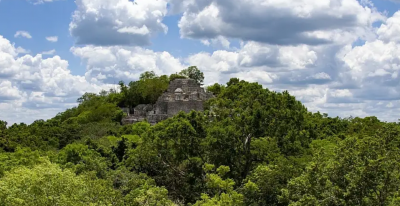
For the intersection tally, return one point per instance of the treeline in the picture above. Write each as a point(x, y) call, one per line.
point(251, 146)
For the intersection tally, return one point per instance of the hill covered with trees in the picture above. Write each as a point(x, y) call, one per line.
point(250, 147)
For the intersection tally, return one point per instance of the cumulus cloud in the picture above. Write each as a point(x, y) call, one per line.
point(50, 52)
point(390, 30)
point(33, 87)
point(256, 59)
point(52, 38)
point(8, 91)
point(117, 22)
point(217, 42)
point(21, 50)
point(339, 78)
point(283, 22)
point(305, 47)
point(112, 64)
point(352, 84)
point(375, 68)
point(24, 34)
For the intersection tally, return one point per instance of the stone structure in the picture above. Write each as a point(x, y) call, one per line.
point(182, 95)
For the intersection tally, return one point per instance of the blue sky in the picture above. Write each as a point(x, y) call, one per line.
point(52, 19)
point(41, 21)
point(336, 56)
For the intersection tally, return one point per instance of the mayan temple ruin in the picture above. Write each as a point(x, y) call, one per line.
point(182, 95)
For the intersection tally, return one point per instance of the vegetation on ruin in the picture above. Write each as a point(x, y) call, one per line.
point(250, 147)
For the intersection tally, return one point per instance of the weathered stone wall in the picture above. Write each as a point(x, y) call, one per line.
point(142, 109)
point(161, 107)
point(182, 95)
point(184, 84)
point(185, 106)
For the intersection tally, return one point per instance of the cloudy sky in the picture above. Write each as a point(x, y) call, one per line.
point(341, 57)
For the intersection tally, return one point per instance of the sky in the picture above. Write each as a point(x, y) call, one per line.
point(340, 57)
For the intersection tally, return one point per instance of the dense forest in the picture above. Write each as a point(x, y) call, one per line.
point(250, 147)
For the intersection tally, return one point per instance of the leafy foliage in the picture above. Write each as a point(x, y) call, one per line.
point(47, 184)
point(251, 146)
point(193, 72)
point(144, 91)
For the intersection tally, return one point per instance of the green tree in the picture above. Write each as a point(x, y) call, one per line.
point(148, 75)
point(193, 72)
point(267, 148)
point(47, 184)
point(3, 125)
point(80, 159)
point(139, 189)
point(171, 153)
point(21, 157)
point(361, 170)
point(244, 112)
point(172, 77)
point(222, 189)
point(216, 89)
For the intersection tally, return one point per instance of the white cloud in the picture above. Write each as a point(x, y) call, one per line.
point(374, 68)
point(321, 75)
point(255, 56)
point(338, 78)
point(302, 46)
point(217, 42)
point(283, 22)
point(391, 29)
point(135, 30)
point(112, 64)
point(118, 22)
point(50, 52)
point(8, 91)
point(297, 57)
point(205, 42)
point(23, 34)
point(33, 87)
point(52, 38)
point(216, 66)
point(21, 50)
